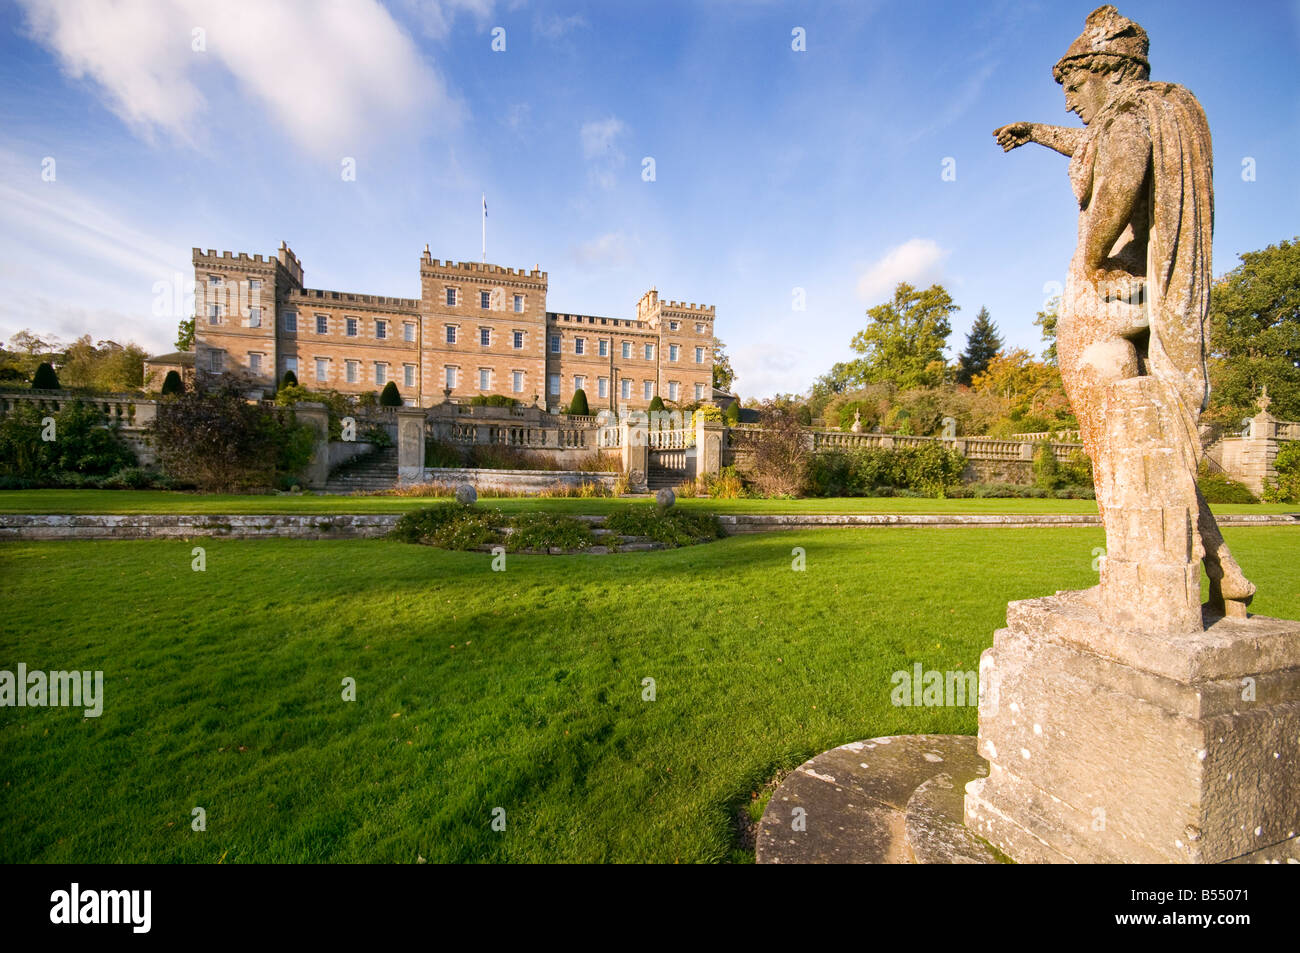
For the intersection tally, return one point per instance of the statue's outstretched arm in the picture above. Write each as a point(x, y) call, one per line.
point(1062, 139)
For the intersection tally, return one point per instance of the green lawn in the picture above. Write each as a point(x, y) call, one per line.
point(158, 501)
point(478, 690)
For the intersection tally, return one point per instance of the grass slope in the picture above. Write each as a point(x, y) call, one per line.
point(477, 689)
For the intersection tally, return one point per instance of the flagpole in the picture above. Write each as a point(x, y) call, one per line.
point(485, 228)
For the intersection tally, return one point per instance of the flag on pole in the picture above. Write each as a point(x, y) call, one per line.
point(485, 228)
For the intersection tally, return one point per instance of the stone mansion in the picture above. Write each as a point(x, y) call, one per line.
point(475, 329)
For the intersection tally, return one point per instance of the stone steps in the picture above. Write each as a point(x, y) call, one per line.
point(377, 471)
point(894, 800)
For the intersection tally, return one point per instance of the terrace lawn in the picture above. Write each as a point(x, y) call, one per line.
point(477, 689)
point(161, 501)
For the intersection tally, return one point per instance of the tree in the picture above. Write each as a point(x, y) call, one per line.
point(390, 396)
point(172, 384)
point(578, 405)
point(1032, 389)
point(723, 373)
point(185, 334)
point(107, 366)
point(290, 379)
point(85, 443)
point(45, 378)
point(781, 457)
point(903, 344)
point(1047, 321)
point(27, 351)
point(221, 442)
point(981, 344)
point(1255, 335)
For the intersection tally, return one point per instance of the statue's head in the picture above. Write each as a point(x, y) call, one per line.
point(1111, 51)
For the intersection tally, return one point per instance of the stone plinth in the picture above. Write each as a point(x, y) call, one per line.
point(317, 417)
point(1113, 746)
point(410, 444)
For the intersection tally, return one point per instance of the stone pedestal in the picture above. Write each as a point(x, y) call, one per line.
point(410, 444)
point(708, 447)
point(1109, 745)
point(318, 418)
point(635, 445)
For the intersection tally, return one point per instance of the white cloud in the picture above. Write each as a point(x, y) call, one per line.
point(918, 261)
point(334, 74)
point(437, 16)
point(598, 137)
point(68, 254)
point(599, 140)
point(554, 27)
point(610, 249)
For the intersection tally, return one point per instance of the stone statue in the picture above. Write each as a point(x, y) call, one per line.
point(857, 422)
point(1131, 335)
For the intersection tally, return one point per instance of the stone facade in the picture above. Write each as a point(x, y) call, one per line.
point(476, 329)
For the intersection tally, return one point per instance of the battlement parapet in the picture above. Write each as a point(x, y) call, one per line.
point(346, 297)
point(483, 268)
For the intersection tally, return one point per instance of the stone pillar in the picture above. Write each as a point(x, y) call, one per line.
point(1146, 487)
point(709, 435)
point(410, 444)
point(635, 436)
point(316, 416)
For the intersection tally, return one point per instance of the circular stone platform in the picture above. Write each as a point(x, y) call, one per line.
point(895, 800)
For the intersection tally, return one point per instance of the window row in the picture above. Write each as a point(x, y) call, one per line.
point(488, 300)
point(451, 334)
point(625, 388)
point(351, 326)
point(486, 379)
point(647, 350)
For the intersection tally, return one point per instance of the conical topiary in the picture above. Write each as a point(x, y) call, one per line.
point(45, 378)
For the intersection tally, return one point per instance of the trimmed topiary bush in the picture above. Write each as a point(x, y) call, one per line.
point(45, 378)
point(656, 403)
point(290, 379)
point(172, 384)
point(732, 414)
point(578, 406)
point(390, 396)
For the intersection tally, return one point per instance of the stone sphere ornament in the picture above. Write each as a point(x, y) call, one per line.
point(665, 498)
point(466, 494)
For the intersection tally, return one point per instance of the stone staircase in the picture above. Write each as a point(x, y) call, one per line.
point(658, 478)
point(375, 471)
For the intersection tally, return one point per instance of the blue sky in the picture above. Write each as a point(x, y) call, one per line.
point(775, 170)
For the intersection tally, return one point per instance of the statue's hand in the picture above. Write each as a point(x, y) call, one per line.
point(1014, 135)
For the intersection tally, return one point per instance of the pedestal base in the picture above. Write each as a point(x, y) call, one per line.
point(1110, 746)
